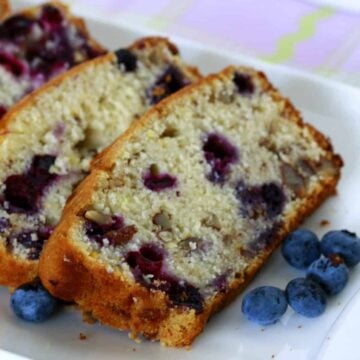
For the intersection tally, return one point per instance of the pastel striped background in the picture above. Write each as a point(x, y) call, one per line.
point(292, 32)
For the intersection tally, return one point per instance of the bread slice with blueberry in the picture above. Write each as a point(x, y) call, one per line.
point(49, 139)
point(181, 211)
point(37, 44)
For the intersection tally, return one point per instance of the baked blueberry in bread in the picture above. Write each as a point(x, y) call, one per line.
point(48, 140)
point(179, 213)
point(4, 9)
point(37, 44)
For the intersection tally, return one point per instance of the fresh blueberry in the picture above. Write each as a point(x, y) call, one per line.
point(330, 273)
point(343, 243)
point(264, 305)
point(33, 303)
point(301, 248)
point(306, 297)
point(126, 58)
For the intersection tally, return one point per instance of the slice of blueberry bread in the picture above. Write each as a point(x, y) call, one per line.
point(179, 213)
point(4, 9)
point(48, 140)
point(37, 44)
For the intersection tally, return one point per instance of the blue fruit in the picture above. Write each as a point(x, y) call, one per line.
point(343, 243)
point(306, 297)
point(330, 273)
point(33, 303)
point(301, 248)
point(264, 305)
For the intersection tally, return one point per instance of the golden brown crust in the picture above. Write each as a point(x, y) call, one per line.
point(17, 271)
point(150, 42)
point(67, 273)
point(5, 9)
point(153, 41)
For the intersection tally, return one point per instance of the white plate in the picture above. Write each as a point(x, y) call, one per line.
point(331, 107)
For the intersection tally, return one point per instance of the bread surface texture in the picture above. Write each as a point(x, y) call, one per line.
point(49, 139)
point(181, 211)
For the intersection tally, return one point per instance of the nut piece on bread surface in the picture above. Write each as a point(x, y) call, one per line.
point(48, 140)
point(180, 212)
point(36, 45)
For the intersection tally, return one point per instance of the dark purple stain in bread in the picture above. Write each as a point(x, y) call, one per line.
point(51, 17)
point(185, 294)
point(263, 240)
point(12, 64)
point(31, 240)
point(257, 201)
point(2, 110)
point(159, 181)
point(4, 224)
point(115, 231)
point(170, 81)
point(147, 266)
point(15, 27)
point(244, 83)
point(148, 260)
point(219, 154)
point(127, 59)
point(274, 198)
point(220, 283)
point(23, 192)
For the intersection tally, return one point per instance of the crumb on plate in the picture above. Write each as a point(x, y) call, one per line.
point(324, 222)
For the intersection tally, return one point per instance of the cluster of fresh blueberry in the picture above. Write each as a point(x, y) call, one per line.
point(327, 266)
